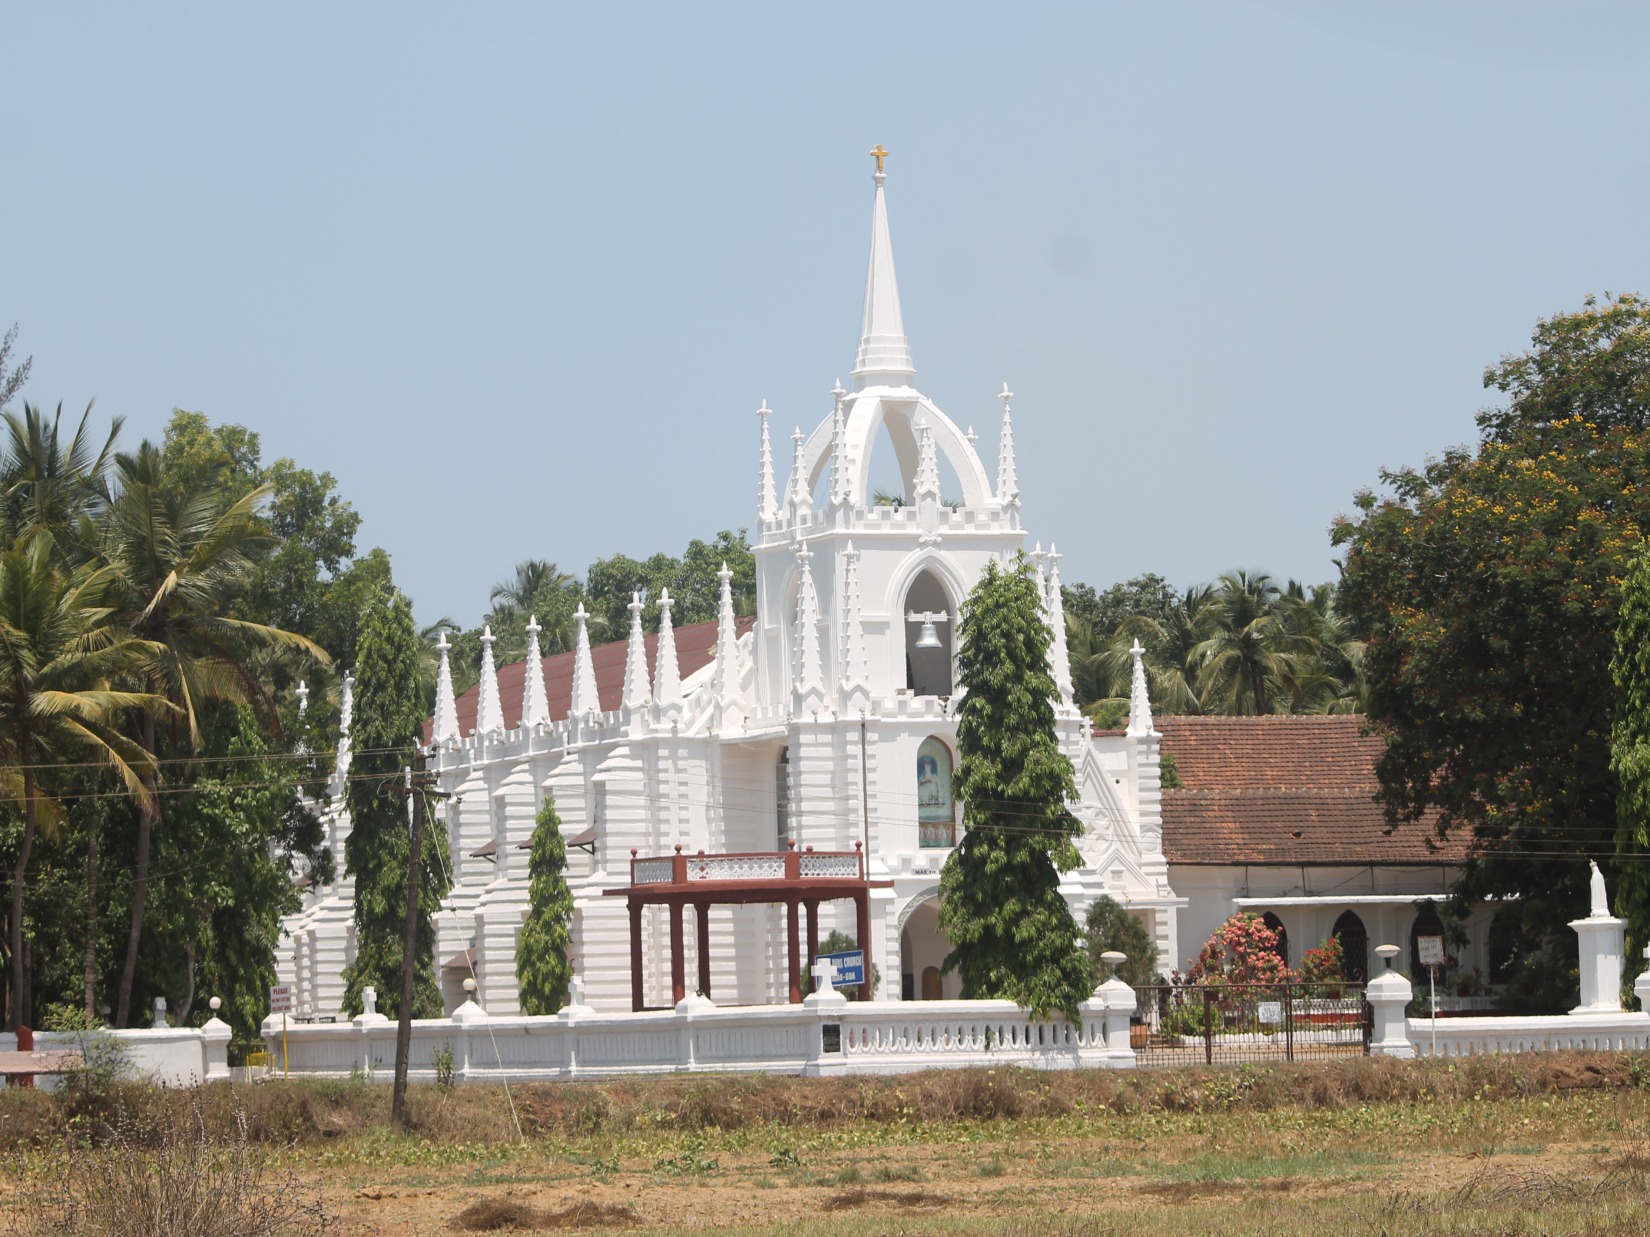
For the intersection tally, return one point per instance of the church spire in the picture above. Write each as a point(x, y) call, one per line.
point(535, 701)
point(725, 680)
point(346, 718)
point(667, 671)
point(851, 647)
point(839, 492)
point(884, 356)
point(1059, 654)
point(636, 689)
point(808, 674)
point(585, 699)
point(1008, 481)
point(767, 499)
point(445, 729)
point(927, 481)
point(797, 498)
point(302, 745)
point(489, 710)
point(1140, 701)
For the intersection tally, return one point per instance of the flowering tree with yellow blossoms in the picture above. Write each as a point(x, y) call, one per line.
point(1487, 586)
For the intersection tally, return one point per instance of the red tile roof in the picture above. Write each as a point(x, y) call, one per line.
point(1285, 790)
point(695, 649)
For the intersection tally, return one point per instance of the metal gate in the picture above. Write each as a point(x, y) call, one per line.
point(1225, 1024)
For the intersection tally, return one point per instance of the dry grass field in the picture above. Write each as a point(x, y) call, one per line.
point(1555, 1143)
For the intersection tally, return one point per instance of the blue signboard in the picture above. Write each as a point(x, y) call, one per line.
point(850, 967)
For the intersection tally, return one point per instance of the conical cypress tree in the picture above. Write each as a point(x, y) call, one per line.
point(388, 727)
point(1012, 933)
point(543, 968)
point(1630, 756)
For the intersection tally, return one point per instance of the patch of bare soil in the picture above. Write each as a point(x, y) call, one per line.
point(491, 1215)
point(848, 1200)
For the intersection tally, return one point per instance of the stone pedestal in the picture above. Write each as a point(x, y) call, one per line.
point(1603, 945)
point(1388, 994)
point(1115, 1002)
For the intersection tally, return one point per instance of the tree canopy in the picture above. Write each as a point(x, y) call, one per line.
point(543, 963)
point(1487, 588)
point(386, 732)
point(1011, 931)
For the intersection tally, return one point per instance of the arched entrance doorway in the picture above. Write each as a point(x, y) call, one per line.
point(1354, 939)
point(922, 950)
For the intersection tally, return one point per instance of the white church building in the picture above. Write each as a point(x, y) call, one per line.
point(825, 725)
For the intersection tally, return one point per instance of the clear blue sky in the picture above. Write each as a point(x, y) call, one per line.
point(519, 275)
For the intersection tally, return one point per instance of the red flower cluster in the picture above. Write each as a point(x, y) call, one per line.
point(1243, 950)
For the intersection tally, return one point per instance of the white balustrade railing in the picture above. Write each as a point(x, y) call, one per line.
point(652, 871)
point(1468, 1037)
point(839, 866)
point(737, 867)
point(828, 1037)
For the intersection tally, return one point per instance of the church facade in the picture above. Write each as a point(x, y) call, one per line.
point(827, 722)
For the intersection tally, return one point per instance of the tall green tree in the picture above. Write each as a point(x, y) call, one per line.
point(12, 374)
point(1107, 927)
point(1487, 588)
point(61, 649)
point(182, 554)
point(384, 738)
point(1011, 932)
point(1630, 754)
point(543, 967)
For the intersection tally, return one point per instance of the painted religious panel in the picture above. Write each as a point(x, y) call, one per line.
point(935, 814)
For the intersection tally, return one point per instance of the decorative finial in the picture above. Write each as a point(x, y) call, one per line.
point(879, 154)
point(1005, 395)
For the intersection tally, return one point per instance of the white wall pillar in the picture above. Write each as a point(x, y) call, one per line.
point(1603, 943)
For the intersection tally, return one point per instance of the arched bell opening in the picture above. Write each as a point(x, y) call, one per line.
point(930, 636)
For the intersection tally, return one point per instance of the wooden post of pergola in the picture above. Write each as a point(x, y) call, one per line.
point(801, 880)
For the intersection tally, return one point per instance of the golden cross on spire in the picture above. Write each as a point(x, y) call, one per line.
point(879, 154)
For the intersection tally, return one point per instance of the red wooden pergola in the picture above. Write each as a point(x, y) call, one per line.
point(801, 879)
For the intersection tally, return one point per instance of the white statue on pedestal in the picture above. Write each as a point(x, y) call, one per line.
point(1601, 901)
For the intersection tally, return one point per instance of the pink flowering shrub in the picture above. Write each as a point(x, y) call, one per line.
point(1243, 950)
point(1325, 964)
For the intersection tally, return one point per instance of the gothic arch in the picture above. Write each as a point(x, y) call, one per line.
point(909, 909)
point(865, 414)
point(905, 575)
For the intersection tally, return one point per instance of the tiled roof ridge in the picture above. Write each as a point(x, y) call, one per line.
point(1359, 790)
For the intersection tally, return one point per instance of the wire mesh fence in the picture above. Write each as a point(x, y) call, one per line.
point(1227, 1024)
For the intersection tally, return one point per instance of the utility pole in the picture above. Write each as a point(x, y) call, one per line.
point(416, 786)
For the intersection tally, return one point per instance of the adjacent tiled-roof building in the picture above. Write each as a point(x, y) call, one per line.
point(1285, 790)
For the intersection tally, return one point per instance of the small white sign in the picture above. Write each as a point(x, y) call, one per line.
point(280, 998)
point(1431, 949)
point(1271, 1012)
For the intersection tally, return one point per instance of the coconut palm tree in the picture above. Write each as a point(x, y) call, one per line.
point(533, 577)
point(180, 557)
point(61, 648)
point(47, 484)
point(1171, 644)
point(1330, 678)
point(1251, 652)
